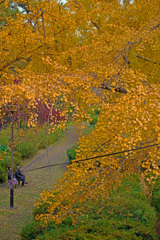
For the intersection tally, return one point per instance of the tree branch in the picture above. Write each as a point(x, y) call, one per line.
point(158, 25)
point(2, 2)
point(146, 59)
point(24, 7)
point(130, 44)
point(107, 87)
point(19, 58)
point(95, 24)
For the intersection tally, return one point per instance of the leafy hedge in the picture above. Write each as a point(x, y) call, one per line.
point(126, 215)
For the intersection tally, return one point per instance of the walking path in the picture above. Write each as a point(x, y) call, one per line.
point(12, 220)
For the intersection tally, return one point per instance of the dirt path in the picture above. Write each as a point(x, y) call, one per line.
point(12, 221)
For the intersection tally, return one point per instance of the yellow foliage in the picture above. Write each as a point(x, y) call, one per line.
point(81, 55)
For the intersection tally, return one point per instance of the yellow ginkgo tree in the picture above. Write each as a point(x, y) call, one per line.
point(84, 54)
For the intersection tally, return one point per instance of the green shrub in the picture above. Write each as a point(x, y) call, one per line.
point(71, 152)
point(97, 111)
point(6, 163)
point(3, 148)
point(5, 137)
point(31, 231)
point(156, 195)
point(28, 149)
point(94, 120)
point(94, 115)
point(3, 176)
point(16, 159)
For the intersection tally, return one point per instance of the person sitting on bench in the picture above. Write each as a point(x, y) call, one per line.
point(19, 176)
point(14, 179)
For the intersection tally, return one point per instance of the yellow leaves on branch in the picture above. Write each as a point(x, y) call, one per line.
point(115, 131)
point(66, 54)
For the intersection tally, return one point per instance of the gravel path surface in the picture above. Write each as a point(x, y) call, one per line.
point(12, 220)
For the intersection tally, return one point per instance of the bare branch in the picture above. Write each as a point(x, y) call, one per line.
point(146, 59)
point(158, 25)
point(121, 90)
point(2, 2)
point(143, 143)
point(95, 24)
point(8, 64)
point(107, 87)
point(130, 44)
point(18, 58)
point(24, 7)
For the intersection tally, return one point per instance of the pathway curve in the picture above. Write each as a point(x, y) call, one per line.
point(12, 221)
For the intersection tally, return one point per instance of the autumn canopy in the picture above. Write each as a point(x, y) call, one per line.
point(81, 55)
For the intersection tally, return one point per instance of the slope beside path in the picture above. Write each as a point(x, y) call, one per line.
point(12, 221)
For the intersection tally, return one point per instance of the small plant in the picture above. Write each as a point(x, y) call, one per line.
point(71, 152)
point(94, 120)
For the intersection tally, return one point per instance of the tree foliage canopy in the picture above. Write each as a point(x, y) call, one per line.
point(84, 54)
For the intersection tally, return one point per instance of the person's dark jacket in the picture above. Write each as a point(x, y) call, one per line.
point(18, 175)
point(9, 176)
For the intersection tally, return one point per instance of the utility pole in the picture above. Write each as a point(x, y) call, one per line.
point(19, 129)
point(12, 110)
point(11, 189)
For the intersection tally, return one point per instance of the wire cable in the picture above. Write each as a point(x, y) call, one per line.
point(91, 158)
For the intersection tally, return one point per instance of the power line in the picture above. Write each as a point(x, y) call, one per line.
point(86, 159)
point(100, 156)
